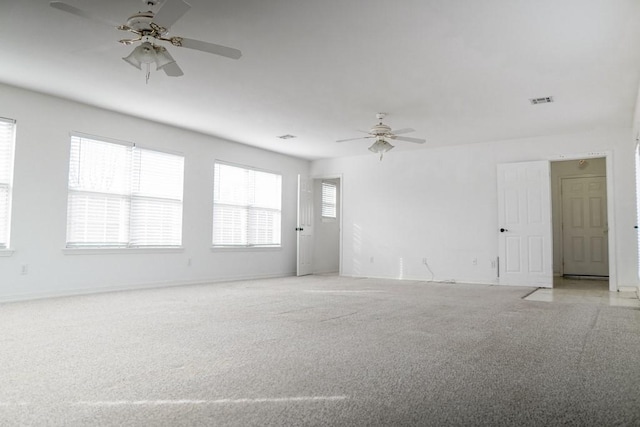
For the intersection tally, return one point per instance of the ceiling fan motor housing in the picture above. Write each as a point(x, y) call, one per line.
point(380, 130)
point(140, 21)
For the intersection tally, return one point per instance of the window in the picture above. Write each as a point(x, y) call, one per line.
point(122, 196)
point(7, 140)
point(328, 199)
point(246, 207)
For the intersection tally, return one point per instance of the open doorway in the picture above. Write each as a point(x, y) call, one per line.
point(579, 219)
point(327, 220)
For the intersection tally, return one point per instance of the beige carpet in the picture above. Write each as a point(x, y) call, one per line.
point(318, 351)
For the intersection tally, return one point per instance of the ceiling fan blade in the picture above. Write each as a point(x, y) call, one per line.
point(170, 12)
point(216, 49)
point(400, 131)
point(405, 138)
point(81, 13)
point(173, 70)
point(354, 139)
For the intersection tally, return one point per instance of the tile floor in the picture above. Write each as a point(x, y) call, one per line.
point(584, 291)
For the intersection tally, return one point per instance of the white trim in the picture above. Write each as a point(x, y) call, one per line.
point(135, 287)
point(611, 217)
point(242, 166)
point(245, 248)
point(325, 272)
point(438, 282)
point(109, 251)
point(98, 138)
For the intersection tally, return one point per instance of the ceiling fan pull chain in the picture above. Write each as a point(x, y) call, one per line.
point(148, 73)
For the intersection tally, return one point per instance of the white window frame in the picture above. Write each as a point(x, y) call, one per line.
point(327, 205)
point(7, 151)
point(129, 224)
point(249, 207)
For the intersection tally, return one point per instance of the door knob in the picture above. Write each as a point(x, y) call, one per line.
point(299, 229)
point(502, 230)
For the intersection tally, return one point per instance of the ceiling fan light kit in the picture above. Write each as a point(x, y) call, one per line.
point(146, 54)
point(151, 29)
point(380, 146)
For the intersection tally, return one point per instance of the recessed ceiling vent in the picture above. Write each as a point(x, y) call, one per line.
point(544, 100)
point(287, 136)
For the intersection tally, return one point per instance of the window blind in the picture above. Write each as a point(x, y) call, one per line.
point(328, 200)
point(123, 196)
point(7, 141)
point(246, 207)
point(156, 201)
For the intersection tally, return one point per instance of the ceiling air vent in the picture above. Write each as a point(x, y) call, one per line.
point(544, 100)
point(287, 136)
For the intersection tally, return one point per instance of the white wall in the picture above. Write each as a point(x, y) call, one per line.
point(441, 204)
point(566, 169)
point(40, 201)
point(326, 237)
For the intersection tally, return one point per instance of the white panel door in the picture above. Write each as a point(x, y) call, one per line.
point(304, 229)
point(524, 221)
point(584, 226)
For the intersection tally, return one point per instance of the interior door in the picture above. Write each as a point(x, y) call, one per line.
point(584, 226)
point(304, 229)
point(524, 221)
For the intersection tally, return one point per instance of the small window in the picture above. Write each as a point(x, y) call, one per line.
point(329, 194)
point(7, 142)
point(246, 207)
point(122, 196)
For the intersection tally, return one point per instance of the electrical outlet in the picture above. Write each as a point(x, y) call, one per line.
point(189, 262)
point(24, 269)
point(424, 261)
point(493, 264)
point(474, 261)
point(371, 260)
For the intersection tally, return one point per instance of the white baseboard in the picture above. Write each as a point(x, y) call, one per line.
point(326, 272)
point(421, 279)
point(133, 287)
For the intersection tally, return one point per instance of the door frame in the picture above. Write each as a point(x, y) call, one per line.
point(340, 177)
point(611, 218)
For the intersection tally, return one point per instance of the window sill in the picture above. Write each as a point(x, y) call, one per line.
point(6, 252)
point(108, 251)
point(245, 249)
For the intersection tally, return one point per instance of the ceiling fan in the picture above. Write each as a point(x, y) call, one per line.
point(149, 29)
point(381, 133)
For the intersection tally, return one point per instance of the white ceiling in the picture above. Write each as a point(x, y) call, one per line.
point(457, 71)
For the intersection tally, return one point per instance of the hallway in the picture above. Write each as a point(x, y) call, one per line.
point(584, 291)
